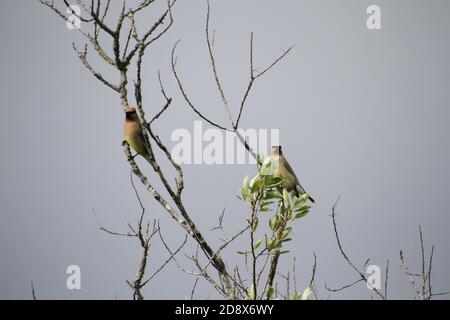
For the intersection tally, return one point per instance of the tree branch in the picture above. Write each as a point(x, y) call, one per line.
point(359, 272)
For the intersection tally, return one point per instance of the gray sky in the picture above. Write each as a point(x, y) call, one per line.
point(362, 114)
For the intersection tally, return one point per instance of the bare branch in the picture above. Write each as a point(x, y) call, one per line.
point(220, 226)
point(226, 243)
point(214, 68)
point(181, 217)
point(143, 5)
point(73, 12)
point(422, 292)
point(143, 43)
point(312, 283)
point(171, 257)
point(166, 105)
point(406, 271)
point(154, 192)
point(359, 272)
point(254, 76)
point(386, 280)
point(440, 294)
point(100, 22)
point(424, 275)
point(33, 293)
point(127, 43)
point(186, 98)
point(284, 54)
point(343, 287)
point(113, 233)
point(204, 273)
point(430, 265)
point(169, 25)
point(193, 288)
point(83, 58)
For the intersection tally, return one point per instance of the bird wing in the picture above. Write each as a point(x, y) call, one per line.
point(135, 138)
point(297, 183)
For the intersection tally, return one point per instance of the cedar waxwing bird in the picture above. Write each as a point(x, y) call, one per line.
point(133, 132)
point(284, 171)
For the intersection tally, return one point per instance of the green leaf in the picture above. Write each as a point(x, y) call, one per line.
point(306, 293)
point(285, 197)
point(245, 188)
point(256, 185)
point(253, 181)
point(272, 222)
point(266, 203)
point(277, 249)
point(286, 232)
point(299, 202)
point(274, 194)
point(275, 181)
point(301, 214)
point(270, 244)
point(296, 296)
point(257, 244)
point(251, 293)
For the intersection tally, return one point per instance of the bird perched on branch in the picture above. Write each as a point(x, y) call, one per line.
point(133, 132)
point(284, 171)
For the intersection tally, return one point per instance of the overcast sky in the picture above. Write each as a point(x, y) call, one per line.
point(361, 113)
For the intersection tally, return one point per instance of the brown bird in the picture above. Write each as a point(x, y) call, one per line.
point(133, 132)
point(284, 171)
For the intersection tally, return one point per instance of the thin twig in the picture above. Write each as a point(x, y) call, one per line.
point(33, 293)
point(193, 288)
point(312, 284)
point(386, 280)
point(343, 287)
point(341, 249)
point(183, 92)
point(405, 270)
point(171, 257)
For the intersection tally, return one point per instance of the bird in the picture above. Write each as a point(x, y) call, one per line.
point(133, 132)
point(284, 171)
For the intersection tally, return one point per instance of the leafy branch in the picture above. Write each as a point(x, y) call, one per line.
point(260, 194)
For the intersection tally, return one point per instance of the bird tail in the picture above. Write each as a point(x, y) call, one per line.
point(300, 191)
